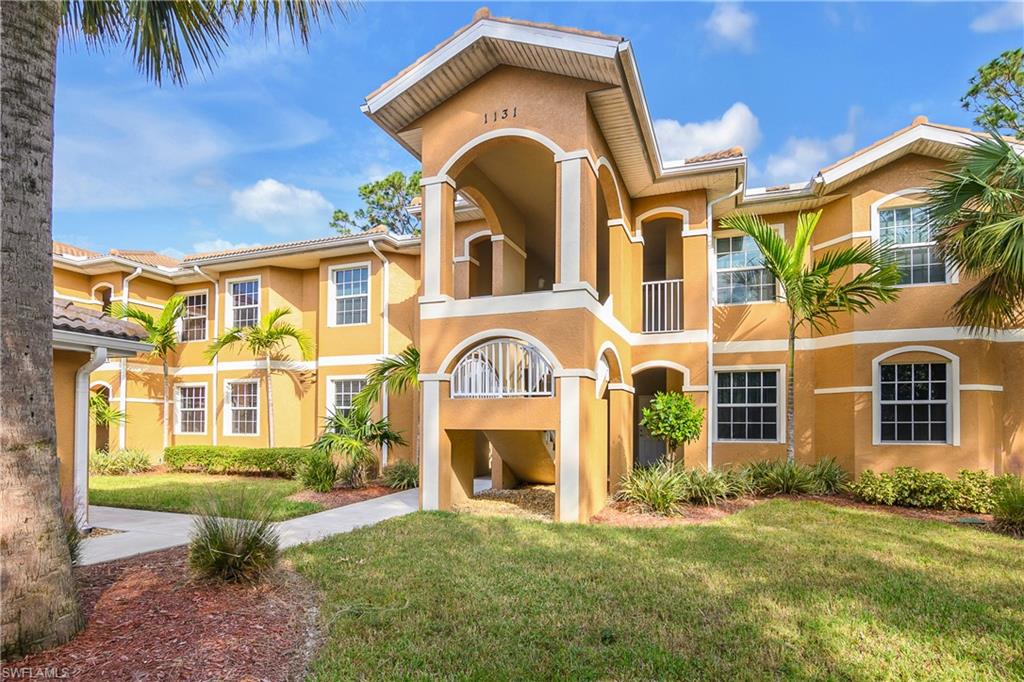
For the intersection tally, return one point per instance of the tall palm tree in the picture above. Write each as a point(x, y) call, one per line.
point(162, 334)
point(41, 608)
point(977, 207)
point(264, 340)
point(848, 280)
point(353, 433)
point(392, 374)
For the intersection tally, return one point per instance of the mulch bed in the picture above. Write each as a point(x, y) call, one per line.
point(946, 516)
point(339, 497)
point(536, 502)
point(618, 513)
point(148, 619)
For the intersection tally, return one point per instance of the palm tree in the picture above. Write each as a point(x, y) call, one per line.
point(265, 340)
point(41, 608)
point(162, 334)
point(816, 292)
point(353, 433)
point(392, 374)
point(977, 207)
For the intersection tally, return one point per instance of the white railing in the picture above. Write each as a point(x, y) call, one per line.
point(663, 306)
point(503, 368)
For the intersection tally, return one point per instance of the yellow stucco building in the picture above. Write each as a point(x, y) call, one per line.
point(566, 273)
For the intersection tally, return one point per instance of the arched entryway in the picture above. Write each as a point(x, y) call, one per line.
point(650, 379)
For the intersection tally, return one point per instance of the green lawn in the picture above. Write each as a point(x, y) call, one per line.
point(180, 492)
point(793, 590)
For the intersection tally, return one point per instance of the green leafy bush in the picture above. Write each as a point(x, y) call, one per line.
point(782, 478)
point(319, 472)
point(971, 491)
point(224, 459)
point(658, 489)
point(233, 538)
point(119, 462)
point(709, 488)
point(829, 477)
point(401, 475)
point(674, 418)
point(874, 488)
point(1008, 506)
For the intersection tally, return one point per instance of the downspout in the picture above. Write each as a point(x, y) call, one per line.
point(123, 389)
point(712, 285)
point(216, 358)
point(385, 324)
point(81, 449)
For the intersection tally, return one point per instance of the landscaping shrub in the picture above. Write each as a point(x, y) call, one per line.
point(1008, 506)
point(828, 476)
point(224, 459)
point(971, 491)
point(119, 462)
point(874, 488)
point(709, 488)
point(658, 489)
point(73, 537)
point(782, 478)
point(402, 475)
point(233, 538)
point(319, 472)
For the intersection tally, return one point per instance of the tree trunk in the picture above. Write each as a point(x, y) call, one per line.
point(270, 406)
point(166, 421)
point(40, 606)
point(790, 392)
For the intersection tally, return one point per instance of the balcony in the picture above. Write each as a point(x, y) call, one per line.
point(663, 306)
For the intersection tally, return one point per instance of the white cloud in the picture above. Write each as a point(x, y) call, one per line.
point(737, 127)
point(1007, 16)
point(219, 245)
point(802, 157)
point(283, 209)
point(730, 24)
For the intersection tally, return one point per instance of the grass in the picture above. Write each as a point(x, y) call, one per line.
point(183, 492)
point(794, 590)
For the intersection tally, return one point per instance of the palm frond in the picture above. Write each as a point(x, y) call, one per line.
point(394, 374)
point(98, 22)
point(123, 311)
point(228, 338)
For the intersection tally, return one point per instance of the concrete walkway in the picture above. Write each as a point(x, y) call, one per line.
point(149, 531)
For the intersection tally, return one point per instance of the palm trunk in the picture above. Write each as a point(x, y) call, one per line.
point(270, 405)
point(790, 392)
point(166, 420)
point(40, 605)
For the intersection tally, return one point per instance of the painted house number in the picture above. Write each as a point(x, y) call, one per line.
point(499, 115)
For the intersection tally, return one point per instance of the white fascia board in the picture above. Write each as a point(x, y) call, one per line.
point(498, 30)
point(69, 340)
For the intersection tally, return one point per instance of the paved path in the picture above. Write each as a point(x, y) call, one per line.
point(148, 531)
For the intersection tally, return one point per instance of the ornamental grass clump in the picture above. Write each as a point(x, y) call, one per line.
point(401, 475)
point(1008, 508)
point(233, 538)
point(709, 488)
point(319, 472)
point(782, 478)
point(657, 489)
point(829, 477)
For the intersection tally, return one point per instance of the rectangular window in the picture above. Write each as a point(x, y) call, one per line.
point(344, 391)
point(748, 405)
point(914, 403)
point(742, 277)
point(191, 408)
point(245, 303)
point(193, 321)
point(243, 408)
point(352, 295)
point(910, 232)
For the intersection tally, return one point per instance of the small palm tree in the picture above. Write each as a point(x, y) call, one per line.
point(103, 413)
point(161, 333)
point(977, 207)
point(354, 434)
point(393, 374)
point(815, 292)
point(264, 340)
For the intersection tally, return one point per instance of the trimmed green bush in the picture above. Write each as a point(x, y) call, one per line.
point(874, 488)
point(319, 472)
point(829, 476)
point(119, 462)
point(1008, 507)
point(658, 489)
point(228, 459)
point(780, 477)
point(401, 475)
point(234, 538)
point(971, 491)
point(709, 488)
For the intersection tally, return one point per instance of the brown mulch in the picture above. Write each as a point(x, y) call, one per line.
point(536, 502)
point(100, 532)
point(618, 513)
point(147, 619)
point(339, 497)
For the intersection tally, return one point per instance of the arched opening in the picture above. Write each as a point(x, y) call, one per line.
point(662, 273)
point(649, 381)
point(103, 294)
point(481, 266)
point(100, 426)
point(513, 181)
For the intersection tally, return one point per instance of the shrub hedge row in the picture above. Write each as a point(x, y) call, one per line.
point(223, 459)
point(971, 491)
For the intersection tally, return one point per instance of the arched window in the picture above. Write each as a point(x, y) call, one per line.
point(503, 368)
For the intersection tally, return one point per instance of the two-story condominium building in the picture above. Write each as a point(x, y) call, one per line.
point(566, 273)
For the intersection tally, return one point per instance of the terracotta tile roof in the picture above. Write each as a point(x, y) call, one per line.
point(146, 257)
point(730, 153)
point(74, 318)
point(71, 250)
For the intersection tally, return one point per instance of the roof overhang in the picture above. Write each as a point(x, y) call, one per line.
point(303, 254)
point(86, 343)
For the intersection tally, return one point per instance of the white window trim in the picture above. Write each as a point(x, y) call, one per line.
point(226, 412)
point(952, 397)
point(715, 235)
point(332, 312)
point(952, 274)
point(780, 403)
point(177, 405)
point(329, 389)
point(180, 324)
point(229, 307)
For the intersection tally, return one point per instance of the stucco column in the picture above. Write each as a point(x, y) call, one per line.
point(438, 236)
point(430, 464)
point(696, 286)
point(567, 460)
point(623, 282)
point(508, 266)
point(462, 276)
point(620, 433)
point(576, 230)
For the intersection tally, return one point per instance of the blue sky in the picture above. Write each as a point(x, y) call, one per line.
point(265, 147)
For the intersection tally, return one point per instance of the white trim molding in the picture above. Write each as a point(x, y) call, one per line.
point(430, 474)
point(176, 401)
point(912, 335)
point(676, 211)
point(568, 456)
point(498, 333)
point(952, 395)
point(229, 308)
point(780, 402)
point(332, 293)
point(226, 412)
point(842, 389)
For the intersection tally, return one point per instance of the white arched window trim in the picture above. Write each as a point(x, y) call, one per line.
point(663, 212)
point(952, 393)
point(952, 275)
point(503, 368)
